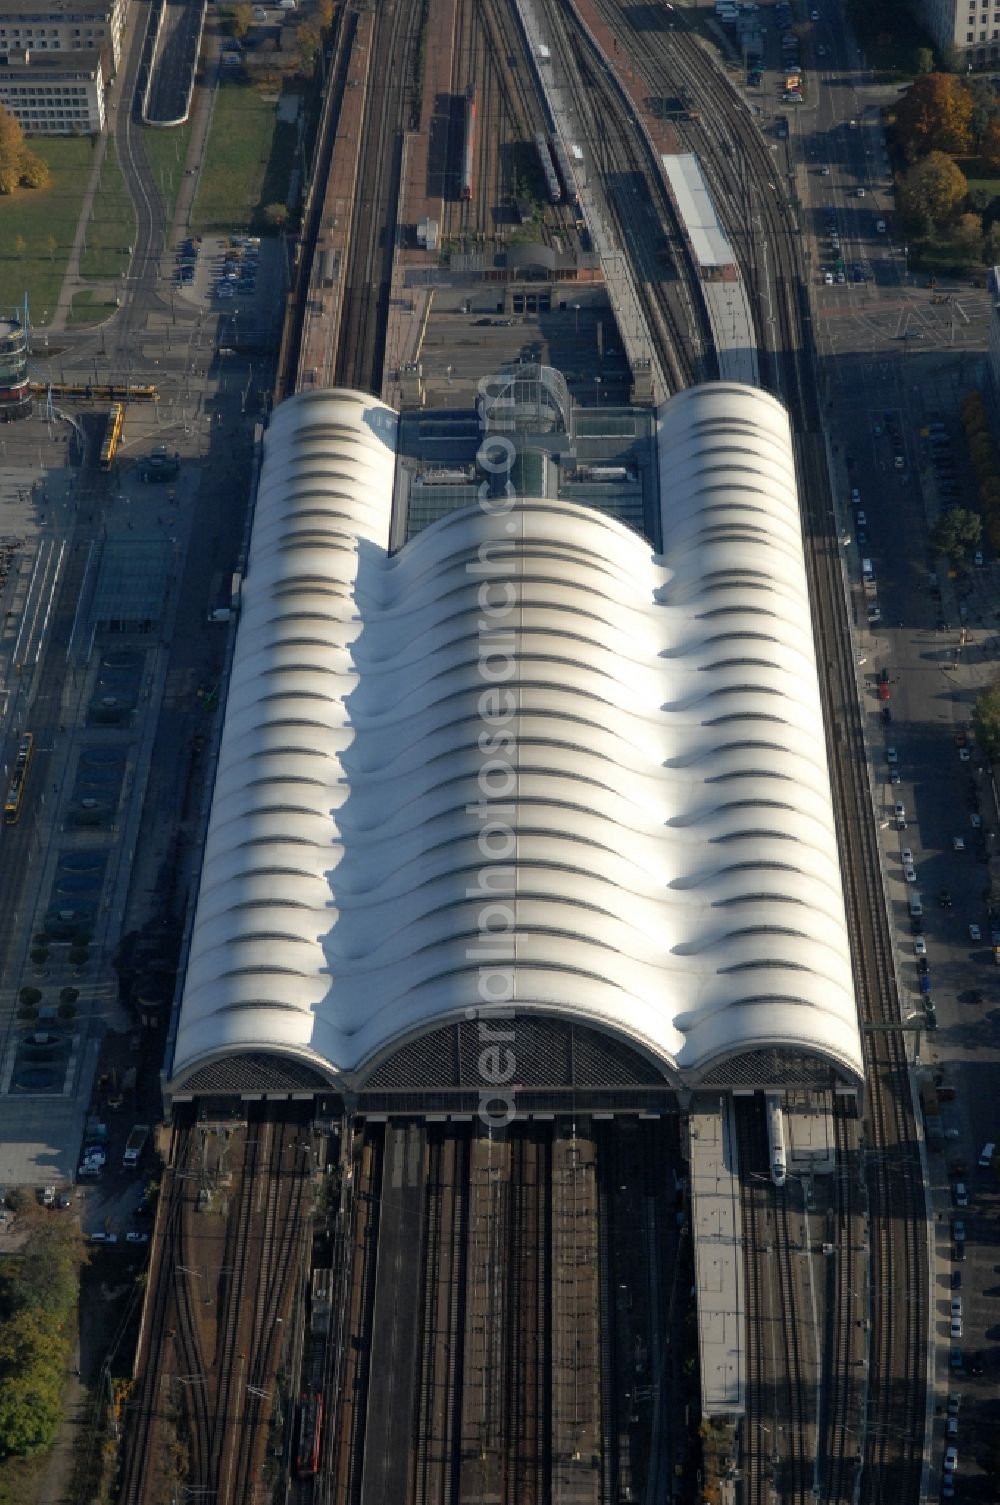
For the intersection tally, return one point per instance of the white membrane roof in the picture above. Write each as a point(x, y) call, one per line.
point(644, 734)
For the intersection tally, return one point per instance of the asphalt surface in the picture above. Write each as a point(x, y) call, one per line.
point(174, 61)
point(893, 354)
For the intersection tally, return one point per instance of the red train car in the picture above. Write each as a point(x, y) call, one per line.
point(310, 1428)
point(469, 147)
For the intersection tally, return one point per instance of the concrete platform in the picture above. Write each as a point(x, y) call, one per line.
point(717, 1230)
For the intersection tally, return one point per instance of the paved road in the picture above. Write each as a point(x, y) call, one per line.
point(175, 60)
point(890, 357)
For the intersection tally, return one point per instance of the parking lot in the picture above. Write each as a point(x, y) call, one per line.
point(221, 272)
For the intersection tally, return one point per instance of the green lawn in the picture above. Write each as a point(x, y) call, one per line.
point(247, 161)
point(91, 308)
point(111, 228)
point(979, 175)
point(31, 217)
point(166, 153)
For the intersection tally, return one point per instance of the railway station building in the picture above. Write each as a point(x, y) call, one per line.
point(529, 806)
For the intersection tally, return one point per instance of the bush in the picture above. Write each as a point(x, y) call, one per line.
point(34, 171)
point(27, 1012)
point(30, 997)
point(68, 995)
point(79, 956)
point(39, 955)
point(41, 938)
point(66, 1011)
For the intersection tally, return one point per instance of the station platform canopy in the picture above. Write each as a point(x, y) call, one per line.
point(526, 761)
point(694, 204)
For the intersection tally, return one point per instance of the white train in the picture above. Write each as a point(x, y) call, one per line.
point(776, 1139)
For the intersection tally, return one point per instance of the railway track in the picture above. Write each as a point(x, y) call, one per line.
point(232, 1320)
point(758, 1457)
point(207, 1362)
point(143, 1407)
point(344, 1449)
point(529, 1428)
point(368, 280)
point(839, 1419)
point(742, 171)
point(281, 1249)
point(633, 183)
point(525, 110)
point(435, 1463)
point(797, 1475)
point(344, 27)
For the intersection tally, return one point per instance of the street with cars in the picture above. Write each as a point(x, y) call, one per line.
point(894, 359)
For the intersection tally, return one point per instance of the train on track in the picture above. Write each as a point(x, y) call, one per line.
point(15, 789)
point(469, 147)
point(310, 1430)
point(544, 153)
point(564, 167)
point(776, 1139)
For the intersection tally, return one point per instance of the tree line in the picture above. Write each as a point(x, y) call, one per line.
point(38, 1297)
point(940, 117)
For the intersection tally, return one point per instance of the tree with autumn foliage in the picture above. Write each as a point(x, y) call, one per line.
point(932, 191)
point(934, 115)
point(19, 165)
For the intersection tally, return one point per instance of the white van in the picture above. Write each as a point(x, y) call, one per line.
point(868, 572)
point(916, 907)
point(986, 1156)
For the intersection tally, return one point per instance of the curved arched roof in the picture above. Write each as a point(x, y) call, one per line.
point(663, 860)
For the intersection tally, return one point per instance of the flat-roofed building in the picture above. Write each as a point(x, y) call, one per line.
point(52, 96)
point(71, 26)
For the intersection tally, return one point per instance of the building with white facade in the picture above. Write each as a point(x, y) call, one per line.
point(56, 96)
point(70, 26)
point(970, 28)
